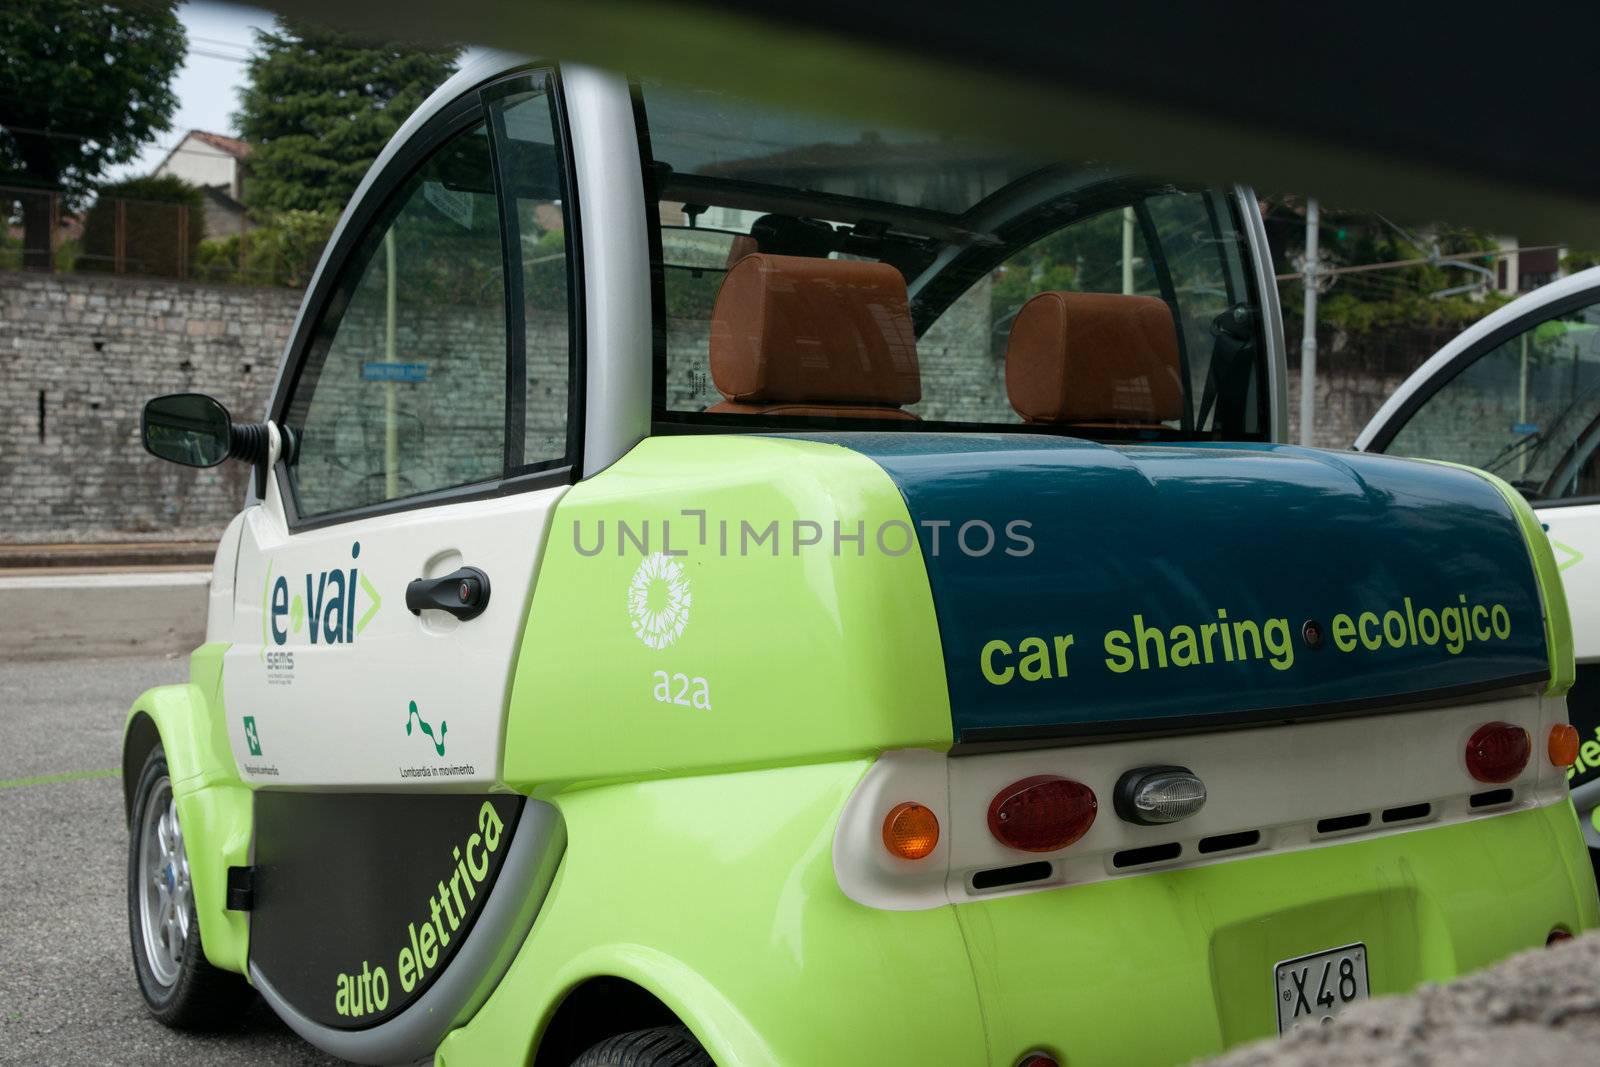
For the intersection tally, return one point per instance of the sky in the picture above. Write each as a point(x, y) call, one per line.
point(220, 38)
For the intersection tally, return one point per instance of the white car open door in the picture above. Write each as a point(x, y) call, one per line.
point(1518, 395)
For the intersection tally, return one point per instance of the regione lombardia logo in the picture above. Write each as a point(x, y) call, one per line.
point(658, 600)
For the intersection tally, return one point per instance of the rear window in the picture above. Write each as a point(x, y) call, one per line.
point(826, 273)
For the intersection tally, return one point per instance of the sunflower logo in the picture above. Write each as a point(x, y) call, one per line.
point(658, 600)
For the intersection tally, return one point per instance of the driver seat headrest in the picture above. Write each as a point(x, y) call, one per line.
point(1094, 359)
point(797, 335)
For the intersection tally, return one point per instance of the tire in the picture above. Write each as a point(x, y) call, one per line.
point(180, 986)
point(663, 1046)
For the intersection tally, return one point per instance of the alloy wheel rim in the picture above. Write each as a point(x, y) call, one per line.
point(163, 885)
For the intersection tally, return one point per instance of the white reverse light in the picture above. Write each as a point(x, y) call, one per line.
point(1151, 796)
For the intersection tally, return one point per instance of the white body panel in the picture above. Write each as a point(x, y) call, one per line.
point(336, 712)
point(219, 604)
point(1575, 535)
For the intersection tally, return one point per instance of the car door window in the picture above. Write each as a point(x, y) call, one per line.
point(403, 391)
point(1527, 409)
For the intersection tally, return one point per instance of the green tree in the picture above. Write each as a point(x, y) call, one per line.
point(1393, 297)
point(318, 107)
point(83, 86)
point(284, 251)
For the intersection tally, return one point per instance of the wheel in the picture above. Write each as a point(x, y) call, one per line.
point(664, 1046)
point(179, 985)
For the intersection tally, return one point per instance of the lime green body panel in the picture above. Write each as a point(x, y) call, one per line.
point(1557, 617)
point(808, 655)
point(717, 894)
point(213, 804)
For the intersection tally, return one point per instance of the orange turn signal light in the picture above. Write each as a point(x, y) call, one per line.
point(910, 831)
point(1563, 744)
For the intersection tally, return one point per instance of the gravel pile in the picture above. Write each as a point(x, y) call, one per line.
point(1539, 1008)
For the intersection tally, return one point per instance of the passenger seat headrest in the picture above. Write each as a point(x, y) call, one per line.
point(1094, 358)
point(823, 331)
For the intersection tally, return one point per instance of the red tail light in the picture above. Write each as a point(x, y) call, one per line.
point(1042, 813)
point(1498, 752)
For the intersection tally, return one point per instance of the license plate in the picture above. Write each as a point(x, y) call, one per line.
point(1313, 989)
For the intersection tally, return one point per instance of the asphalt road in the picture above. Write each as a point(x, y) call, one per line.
point(67, 990)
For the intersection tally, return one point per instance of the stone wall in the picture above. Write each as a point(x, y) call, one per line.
point(79, 355)
point(1346, 401)
point(1356, 374)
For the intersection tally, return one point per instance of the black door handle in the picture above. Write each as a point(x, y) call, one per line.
point(464, 593)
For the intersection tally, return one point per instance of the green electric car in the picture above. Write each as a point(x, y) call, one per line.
point(724, 584)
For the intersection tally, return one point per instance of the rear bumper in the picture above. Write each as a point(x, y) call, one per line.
point(1169, 966)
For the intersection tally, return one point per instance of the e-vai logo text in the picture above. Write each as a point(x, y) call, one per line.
point(328, 611)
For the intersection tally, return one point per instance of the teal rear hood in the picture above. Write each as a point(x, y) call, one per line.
point(1162, 586)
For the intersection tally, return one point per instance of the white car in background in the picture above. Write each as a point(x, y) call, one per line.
point(1518, 395)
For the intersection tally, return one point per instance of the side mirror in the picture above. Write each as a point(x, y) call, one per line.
point(187, 428)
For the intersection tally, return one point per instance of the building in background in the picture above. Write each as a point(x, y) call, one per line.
point(220, 166)
point(1523, 271)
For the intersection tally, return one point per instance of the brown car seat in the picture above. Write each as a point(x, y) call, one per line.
point(1094, 360)
point(793, 335)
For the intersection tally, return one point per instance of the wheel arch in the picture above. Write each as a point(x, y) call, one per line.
point(654, 989)
point(595, 1009)
point(214, 806)
point(138, 738)
point(599, 992)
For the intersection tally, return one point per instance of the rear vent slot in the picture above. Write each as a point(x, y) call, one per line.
point(1407, 812)
point(1138, 857)
point(1340, 823)
point(1492, 797)
point(1229, 842)
point(1000, 877)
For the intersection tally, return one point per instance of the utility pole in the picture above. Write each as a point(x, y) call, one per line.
point(1308, 336)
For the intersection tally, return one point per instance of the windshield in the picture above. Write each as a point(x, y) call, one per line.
point(824, 272)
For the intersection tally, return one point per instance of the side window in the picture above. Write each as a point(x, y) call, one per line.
point(532, 172)
point(404, 389)
point(1528, 410)
point(1180, 246)
point(1104, 253)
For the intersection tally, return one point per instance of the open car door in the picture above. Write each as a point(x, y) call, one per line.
point(1518, 395)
